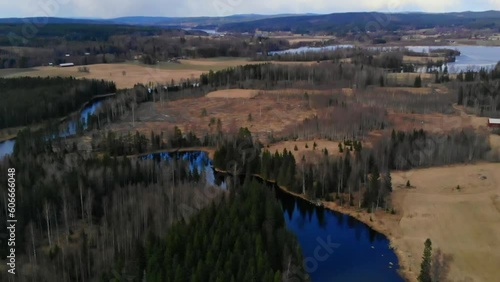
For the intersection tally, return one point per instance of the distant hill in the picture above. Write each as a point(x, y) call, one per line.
point(298, 23)
point(177, 22)
point(51, 20)
point(345, 22)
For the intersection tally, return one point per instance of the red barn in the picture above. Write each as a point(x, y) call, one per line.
point(494, 122)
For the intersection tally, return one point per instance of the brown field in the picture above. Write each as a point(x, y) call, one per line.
point(215, 64)
point(432, 89)
point(421, 60)
point(408, 79)
point(309, 153)
point(296, 38)
point(233, 94)
point(295, 91)
point(270, 113)
point(463, 223)
point(134, 72)
point(126, 75)
point(438, 123)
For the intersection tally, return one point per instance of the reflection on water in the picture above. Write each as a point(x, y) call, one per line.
point(472, 57)
point(7, 147)
point(336, 247)
point(310, 49)
point(194, 159)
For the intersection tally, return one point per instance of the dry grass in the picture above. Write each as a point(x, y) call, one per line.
point(421, 60)
point(463, 223)
point(233, 94)
point(412, 90)
point(216, 63)
point(134, 74)
point(126, 75)
point(310, 154)
point(269, 114)
point(408, 79)
point(296, 38)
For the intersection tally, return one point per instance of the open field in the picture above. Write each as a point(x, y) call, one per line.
point(233, 94)
point(269, 113)
point(408, 79)
point(309, 153)
point(422, 60)
point(126, 75)
point(14, 71)
point(463, 223)
point(296, 38)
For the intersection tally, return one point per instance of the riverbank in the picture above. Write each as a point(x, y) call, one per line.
point(378, 221)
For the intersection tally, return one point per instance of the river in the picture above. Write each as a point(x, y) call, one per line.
point(336, 247)
point(7, 147)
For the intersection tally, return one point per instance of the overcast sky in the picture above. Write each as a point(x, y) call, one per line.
point(181, 8)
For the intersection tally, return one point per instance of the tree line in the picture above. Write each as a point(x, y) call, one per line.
point(242, 238)
point(29, 100)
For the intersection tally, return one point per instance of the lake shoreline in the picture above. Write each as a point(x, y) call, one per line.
point(366, 218)
point(362, 216)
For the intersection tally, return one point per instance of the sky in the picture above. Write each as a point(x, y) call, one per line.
point(187, 8)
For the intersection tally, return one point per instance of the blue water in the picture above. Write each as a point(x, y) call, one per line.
point(310, 49)
point(198, 160)
point(7, 147)
point(336, 247)
point(472, 57)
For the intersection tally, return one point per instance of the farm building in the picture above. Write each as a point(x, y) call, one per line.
point(66, 65)
point(494, 122)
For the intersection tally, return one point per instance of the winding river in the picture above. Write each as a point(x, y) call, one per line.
point(336, 247)
point(7, 147)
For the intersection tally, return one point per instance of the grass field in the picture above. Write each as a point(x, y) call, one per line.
point(310, 154)
point(408, 79)
point(263, 114)
point(421, 60)
point(233, 94)
point(463, 223)
point(296, 38)
point(126, 75)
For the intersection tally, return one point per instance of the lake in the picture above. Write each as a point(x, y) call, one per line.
point(472, 57)
point(336, 247)
point(310, 49)
point(7, 147)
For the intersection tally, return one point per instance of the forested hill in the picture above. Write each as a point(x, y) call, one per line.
point(345, 22)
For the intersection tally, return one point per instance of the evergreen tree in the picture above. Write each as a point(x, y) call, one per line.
point(425, 267)
point(418, 82)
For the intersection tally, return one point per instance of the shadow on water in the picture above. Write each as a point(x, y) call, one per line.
point(336, 247)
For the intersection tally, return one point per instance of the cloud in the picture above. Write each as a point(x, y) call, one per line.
point(117, 8)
